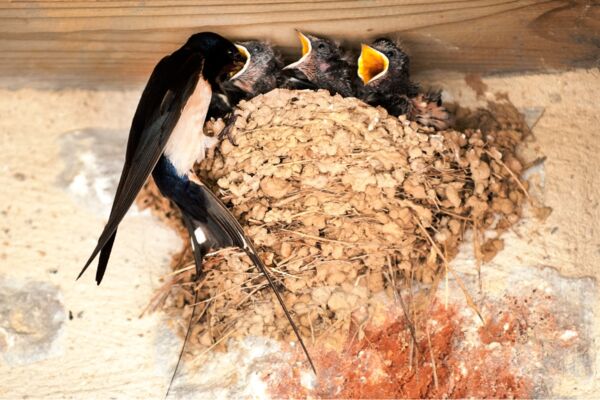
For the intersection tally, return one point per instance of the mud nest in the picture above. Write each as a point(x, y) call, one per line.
point(344, 203)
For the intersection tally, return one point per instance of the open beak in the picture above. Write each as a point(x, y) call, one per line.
point(246, 55)
point(306, 49)
point(372, 64)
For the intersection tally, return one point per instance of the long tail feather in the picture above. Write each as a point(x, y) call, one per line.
point(257, 261)
point(103, 260)
point(224, 218)
point(185, 340)
point(198, 257)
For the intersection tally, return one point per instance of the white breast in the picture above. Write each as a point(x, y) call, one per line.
point(187, 142)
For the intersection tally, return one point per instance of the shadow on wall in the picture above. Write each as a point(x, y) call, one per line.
point(93, 159)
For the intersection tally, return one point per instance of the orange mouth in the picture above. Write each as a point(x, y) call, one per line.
point(244, 52)
point(306, 49)
point(372, 64)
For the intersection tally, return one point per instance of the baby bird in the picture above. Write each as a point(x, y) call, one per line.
point(383, 68)
point(323, 65)
point(259, 73)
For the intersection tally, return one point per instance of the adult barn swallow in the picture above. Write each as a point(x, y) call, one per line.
point(383, 68)
point(323, 65)
point(166, 139)
point(167, 126)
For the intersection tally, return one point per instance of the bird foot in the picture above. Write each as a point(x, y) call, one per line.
point(428, 111)
point(227, 131)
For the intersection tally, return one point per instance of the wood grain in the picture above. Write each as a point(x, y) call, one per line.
point(116, 43)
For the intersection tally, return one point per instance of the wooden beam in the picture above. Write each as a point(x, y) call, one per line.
point(116, 43)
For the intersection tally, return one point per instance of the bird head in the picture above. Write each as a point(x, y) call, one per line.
point(260, 61)
point(382, 61)
point(318, 54)
point(220, 55)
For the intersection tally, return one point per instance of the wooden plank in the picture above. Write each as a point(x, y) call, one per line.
point(116, 43)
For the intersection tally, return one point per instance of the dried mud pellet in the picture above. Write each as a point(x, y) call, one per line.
point(453, 196)
point(455, 226)
point(285, 250)
point(336, 278)
point(301, 308)
point(295, 284)
point(275, 187)
point(375, 282)
point(338, 302)
point(504, 206)
point(320, 295)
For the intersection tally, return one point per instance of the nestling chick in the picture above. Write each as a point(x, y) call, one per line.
point(260, 73)
point(323, 65)
point(383, 68)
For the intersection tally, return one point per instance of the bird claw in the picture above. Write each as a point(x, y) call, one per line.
point(226, 132)
point(434, 96)
point(428, 111)
point(435, 116)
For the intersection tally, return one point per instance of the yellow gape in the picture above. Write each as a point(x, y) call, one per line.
point(243, 51)
point(372, 64)
point(306, 46)
point(306, 49)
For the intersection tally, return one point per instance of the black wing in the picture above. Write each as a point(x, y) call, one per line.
point(155, 117)
point(153, 92)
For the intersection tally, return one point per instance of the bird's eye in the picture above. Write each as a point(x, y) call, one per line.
point(321, 46)
point(389, 53)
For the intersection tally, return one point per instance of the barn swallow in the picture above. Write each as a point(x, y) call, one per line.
point(260, 71)
point(323, 65)
point(383, 68)
point(167, 126)
point(258, 74)
point(166, 139)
